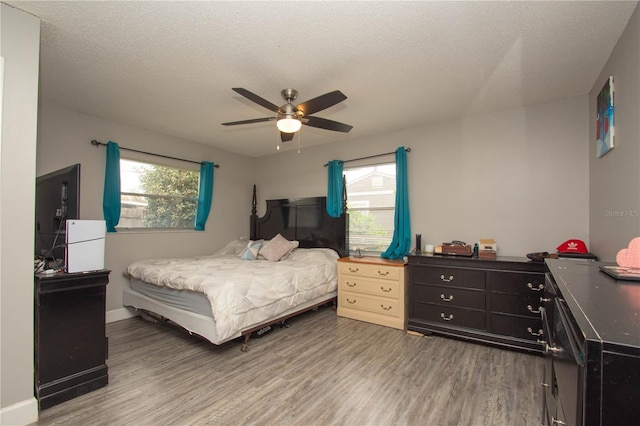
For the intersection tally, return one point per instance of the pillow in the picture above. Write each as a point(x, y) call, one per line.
point(234, 247)
point(277, 248)
point(251, 251)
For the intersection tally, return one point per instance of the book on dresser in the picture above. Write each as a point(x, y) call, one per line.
point(373, 289)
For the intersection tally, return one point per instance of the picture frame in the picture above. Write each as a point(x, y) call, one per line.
point(605, 129)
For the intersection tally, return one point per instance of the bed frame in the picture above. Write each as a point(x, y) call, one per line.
point(302, 219)
point(305, 220)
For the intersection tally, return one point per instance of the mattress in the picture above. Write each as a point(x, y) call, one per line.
point(240, 293)
point(182, 299)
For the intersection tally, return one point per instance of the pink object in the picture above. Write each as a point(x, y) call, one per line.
point(630, 257)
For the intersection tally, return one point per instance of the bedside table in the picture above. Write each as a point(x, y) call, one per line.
point(373, 289)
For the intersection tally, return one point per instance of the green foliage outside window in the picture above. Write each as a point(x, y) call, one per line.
point(172, 196)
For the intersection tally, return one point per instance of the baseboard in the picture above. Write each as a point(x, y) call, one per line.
point(120, 314)
point(20, 414)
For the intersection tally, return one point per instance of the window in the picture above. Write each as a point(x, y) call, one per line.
point(157, 196)
point(371, 198)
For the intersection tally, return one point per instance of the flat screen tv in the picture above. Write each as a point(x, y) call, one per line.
point(57, 199)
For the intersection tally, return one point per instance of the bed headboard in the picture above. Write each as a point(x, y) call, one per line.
point(302, 219)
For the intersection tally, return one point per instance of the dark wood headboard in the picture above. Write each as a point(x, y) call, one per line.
point(302, 219)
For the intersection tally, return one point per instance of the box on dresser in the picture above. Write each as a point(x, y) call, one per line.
point(488, 301)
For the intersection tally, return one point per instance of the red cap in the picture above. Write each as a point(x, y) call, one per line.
point(572, 246)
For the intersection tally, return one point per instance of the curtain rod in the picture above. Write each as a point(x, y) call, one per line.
point(370, 156)
point(98, 143)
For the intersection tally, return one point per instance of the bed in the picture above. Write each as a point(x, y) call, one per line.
point(232, 293)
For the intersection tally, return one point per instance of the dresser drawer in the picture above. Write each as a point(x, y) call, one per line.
point(459, 297)
point(450, 315)
point(523, 328)
point(518, 305)
point(372, 286)
point(449, 277)
point(372, 271)
point(522, 283)
point(374, 304)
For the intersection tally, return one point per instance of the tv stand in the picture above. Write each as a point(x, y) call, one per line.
point(70, 340)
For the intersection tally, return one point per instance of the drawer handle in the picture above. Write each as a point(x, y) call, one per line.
point(539, 288)
point(542, 342)
point(446, 318)
point(545, 385)
point(351, 301)
point(555, 421)
point(383, 273)
point(545, 299)
point(533, 311)
point(351, 284)
point(533, 333)
point(446, 280)
point(386, 290)
point(446, 299)
point(551, 348)
point(353, 269)
point(386, 308)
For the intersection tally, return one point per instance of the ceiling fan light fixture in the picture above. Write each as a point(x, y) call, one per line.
point(289, 125)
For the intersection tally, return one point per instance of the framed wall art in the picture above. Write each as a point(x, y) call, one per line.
point(605, 128)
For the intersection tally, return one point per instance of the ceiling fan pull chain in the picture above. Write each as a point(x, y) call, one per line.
point(299, 131)
point(279, 138)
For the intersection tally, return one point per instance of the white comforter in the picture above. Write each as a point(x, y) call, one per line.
point(245, 293)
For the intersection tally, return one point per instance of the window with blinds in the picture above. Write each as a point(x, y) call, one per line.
point(371, 194)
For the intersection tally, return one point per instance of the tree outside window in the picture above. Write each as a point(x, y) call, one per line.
point(157, 196)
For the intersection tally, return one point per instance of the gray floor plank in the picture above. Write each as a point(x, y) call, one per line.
point(322, 370)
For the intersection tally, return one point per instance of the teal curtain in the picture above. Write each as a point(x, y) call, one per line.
point(111, 194)
point(334, 191)
point(205, 194)
point(401, 242)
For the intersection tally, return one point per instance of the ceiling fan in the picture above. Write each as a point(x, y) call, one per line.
point(291, 117)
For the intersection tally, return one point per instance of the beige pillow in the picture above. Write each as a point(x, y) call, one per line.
point(277, 248)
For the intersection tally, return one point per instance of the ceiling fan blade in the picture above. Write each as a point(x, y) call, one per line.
point(286, 137)
point(257, 99)
point(253, 120)
point(321, 102)
point(323, 123)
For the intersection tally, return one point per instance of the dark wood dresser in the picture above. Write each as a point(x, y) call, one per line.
point(70, 335)
point(592, 356)
point(490, 301)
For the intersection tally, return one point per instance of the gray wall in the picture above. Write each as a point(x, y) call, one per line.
point(64, 138)
point(614, 179)
point(519, 176)
point(20, 44)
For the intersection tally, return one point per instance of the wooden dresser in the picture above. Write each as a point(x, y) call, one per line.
point(70, 340)
point(490, 301)
point(592, 349)
point(373, 289)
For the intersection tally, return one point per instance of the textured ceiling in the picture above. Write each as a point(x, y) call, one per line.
point(170, 66)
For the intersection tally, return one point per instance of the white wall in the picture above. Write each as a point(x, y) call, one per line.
point(614, 179)
point(519, 176)
point(64, 138)
point(20, 44)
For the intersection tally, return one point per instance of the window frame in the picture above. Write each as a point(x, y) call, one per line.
point(170, 165)
point(372, 189)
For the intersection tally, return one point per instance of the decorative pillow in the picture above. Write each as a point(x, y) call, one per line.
point(251, 251)
point(233, 247)
point(277, 248)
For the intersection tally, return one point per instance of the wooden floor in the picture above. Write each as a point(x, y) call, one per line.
point(322, 370)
